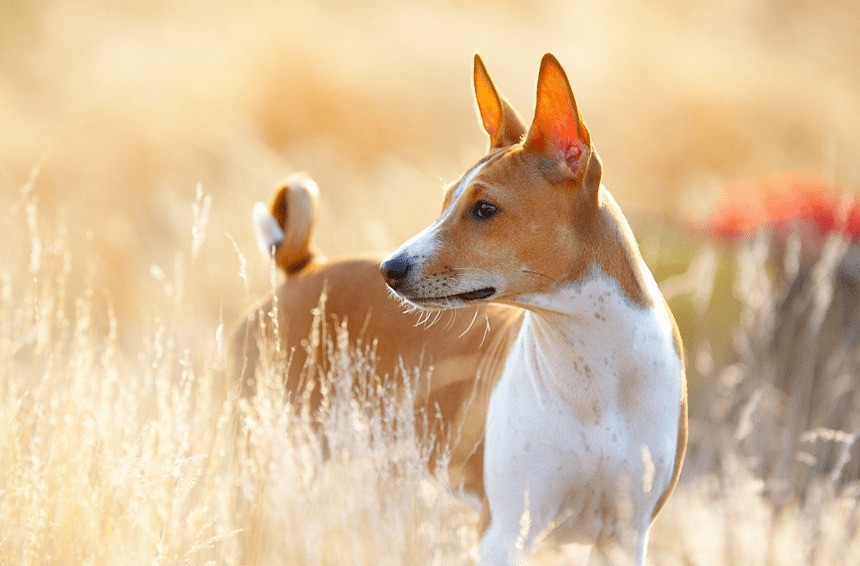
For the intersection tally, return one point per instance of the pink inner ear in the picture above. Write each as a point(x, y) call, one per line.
point(572, 154)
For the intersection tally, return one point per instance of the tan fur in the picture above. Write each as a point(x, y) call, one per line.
point(540, 211)
point(465, 356)
point(292, 199)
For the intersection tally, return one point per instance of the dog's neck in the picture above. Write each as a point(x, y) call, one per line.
point(592, 310)
point(576, 341)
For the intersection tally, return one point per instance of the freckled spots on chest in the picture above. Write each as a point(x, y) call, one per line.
point(596, 410)
point(629, 391)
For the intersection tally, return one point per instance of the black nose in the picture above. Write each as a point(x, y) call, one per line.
point(394, 270)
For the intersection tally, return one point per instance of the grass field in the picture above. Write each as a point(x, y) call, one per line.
point(135, 137)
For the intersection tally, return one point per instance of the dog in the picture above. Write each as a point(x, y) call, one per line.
point(586, 428)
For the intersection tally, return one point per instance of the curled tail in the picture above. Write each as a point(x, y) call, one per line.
point(284, 228)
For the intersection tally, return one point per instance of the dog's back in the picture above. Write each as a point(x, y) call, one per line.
point(463, 352)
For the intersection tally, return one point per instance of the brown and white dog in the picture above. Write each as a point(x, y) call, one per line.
point(586, 429)
point(581, 397)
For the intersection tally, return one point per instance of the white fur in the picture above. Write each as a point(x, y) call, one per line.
point(269, 233)
point(565, 457)
point(465, 181)
point(309, 185)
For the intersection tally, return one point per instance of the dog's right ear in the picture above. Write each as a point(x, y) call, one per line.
point(499, 118)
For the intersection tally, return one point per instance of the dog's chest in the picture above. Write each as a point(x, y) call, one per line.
point(587, 409)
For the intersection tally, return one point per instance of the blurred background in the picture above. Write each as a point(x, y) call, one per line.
point(117, 110)
point(131, 129)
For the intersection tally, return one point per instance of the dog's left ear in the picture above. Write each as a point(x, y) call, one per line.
point(558, 132)
point(499, 118)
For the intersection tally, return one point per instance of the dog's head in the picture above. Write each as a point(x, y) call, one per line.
point(520, 221)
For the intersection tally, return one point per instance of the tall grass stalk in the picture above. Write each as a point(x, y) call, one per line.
point(112, 458)
point(110, 455)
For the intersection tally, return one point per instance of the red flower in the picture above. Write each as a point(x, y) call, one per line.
point(782, 202)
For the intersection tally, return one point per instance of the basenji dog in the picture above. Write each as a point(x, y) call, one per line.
point(586, 428)
point(459, 356)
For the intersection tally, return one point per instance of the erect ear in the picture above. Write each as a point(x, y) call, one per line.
point(499, 118)
point(558, 131)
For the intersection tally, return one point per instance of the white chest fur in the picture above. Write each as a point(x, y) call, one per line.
point(582, 427)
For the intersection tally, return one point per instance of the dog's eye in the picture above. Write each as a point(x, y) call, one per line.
point(483, 210)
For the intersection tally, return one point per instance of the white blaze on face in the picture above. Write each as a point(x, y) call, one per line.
point(424, 243)
point(465, 181)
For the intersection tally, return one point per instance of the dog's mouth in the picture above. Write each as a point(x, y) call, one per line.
point(476, 295)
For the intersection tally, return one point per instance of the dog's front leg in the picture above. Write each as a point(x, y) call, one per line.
point(627, 549)
point(525, 475)
point(515, 527)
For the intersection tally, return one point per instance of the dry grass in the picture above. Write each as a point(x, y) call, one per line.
point(771, 473)
point(126, 106)
point(117, 443)
point(134, 458)
point(105, 459)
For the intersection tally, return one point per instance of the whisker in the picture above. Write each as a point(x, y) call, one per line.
point(425, 316)
point(451, 320)
point(529, 271)
point(486, 329)
point(468, 328)
point(408, 308)
point(436, 315)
